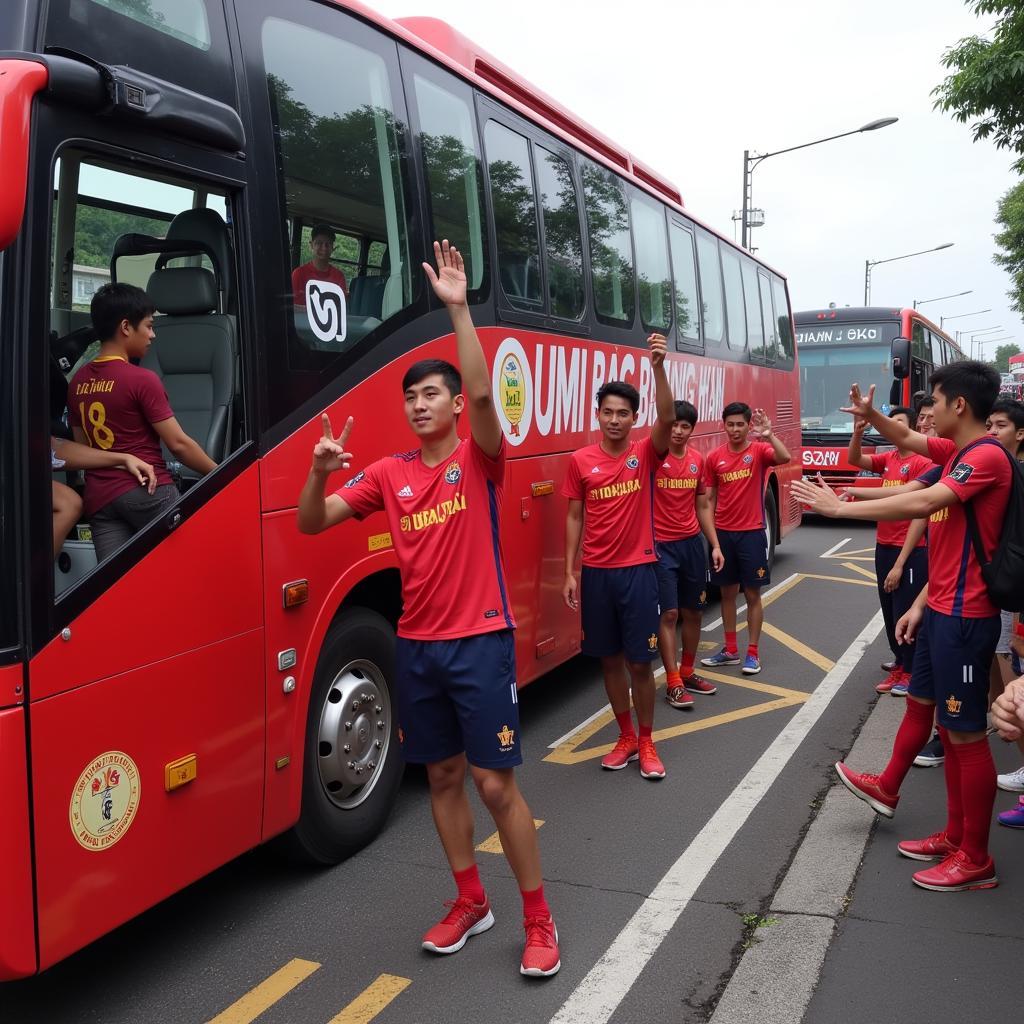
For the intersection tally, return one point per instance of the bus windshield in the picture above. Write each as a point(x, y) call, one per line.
point(826, 373)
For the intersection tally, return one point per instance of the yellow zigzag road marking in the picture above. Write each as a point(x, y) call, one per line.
point(266, 993)
point(492, 844)
point(372, 1000)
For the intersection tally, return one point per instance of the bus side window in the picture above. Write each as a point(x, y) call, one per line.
point(771, 349)
point(711, 287)
point(684, 273)
point(515, 216)
point(611, 255)
point(652, 268)
point(734, 306)
point(563, 241)
point(785, 322)
point(752, 302)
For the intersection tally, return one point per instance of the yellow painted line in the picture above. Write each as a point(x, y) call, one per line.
point(266, 993)
point(492, 844)
point(864, 572)
point(798, 647)
point(775, 595)
point(861, 552)
point(372, 1000)
point(749, 683)
point(841, 579)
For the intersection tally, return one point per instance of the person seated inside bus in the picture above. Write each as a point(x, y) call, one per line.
point(116, 406)
point(67, 504)
point(319, 268)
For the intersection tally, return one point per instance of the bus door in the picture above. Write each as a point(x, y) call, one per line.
point(146, 670)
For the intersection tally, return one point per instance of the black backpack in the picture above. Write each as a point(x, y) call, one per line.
point(1004, 573)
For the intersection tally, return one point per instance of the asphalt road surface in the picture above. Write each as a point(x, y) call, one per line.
point(656, 886)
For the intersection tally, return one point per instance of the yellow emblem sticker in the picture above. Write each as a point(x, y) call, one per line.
point(953, 705)
point(104, 800)
point(505, 738)
point(652, 642)
point(512, 393)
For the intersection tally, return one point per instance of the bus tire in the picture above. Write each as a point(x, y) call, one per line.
point(351, 737)
point(771, 519)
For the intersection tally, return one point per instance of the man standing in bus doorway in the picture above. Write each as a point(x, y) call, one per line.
point(319, 268)
point(610, 489)
point(736, 473)
point(455, 657)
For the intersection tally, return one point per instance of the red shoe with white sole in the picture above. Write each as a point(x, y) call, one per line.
point(465, 918)
point(865, 787)
point(541, 958)
point(957, 873)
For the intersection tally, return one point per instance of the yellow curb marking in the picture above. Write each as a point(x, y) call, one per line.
point(492, 844)
point(864, 572)
point(841, 579)
point(858, 554)
point(372, 1000)
point(266, 993)
point(798, 647)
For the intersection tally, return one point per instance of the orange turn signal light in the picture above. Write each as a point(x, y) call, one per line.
point(295, 593)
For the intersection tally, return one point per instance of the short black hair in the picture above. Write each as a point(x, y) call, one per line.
point(686, 411)
point(428, 367)
point(926, 403)
point(976, 383)
point(116, 302)
point(323, 229)
point(903, 410)
point(619, 389)
point(737, 409)
point(1013, 409)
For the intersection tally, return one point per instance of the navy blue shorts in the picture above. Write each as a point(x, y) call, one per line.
point(896, 603)
point(682, 569)
point(620, 612)
point(951, 666)
point(746, 559)
point(458, 696)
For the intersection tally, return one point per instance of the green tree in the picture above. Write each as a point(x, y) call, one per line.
point(1010, 216)
point(987, 80)
point(1002, 359)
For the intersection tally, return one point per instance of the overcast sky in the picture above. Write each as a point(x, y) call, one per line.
point(687, 87)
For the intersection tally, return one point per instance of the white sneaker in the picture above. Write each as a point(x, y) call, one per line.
point(1012, 782)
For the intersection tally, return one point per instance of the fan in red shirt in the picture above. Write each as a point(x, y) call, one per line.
point(682, 513)
point(901, 557)
point(736, 474)
point(953, 622)
point(319, 268)
point(455, 672)
point(610, 487)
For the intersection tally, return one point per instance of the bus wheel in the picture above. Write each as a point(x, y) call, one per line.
point(771, 518)
point(353, 765)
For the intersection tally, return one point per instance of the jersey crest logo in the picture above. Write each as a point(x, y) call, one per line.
point(405, 492)
point(632, 462)
point(904, 469)
point(962, 472)
point(748, 459)
point(453, 474)
point(359, 476)
point(693, 467)
point(505, 738)
point(953, 705)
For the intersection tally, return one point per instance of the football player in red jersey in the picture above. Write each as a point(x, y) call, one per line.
point(455, 656)
point(610, 487)
point(953, 622)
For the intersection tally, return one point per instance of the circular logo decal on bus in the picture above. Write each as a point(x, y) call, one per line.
point(513, 390)
point(104, 800)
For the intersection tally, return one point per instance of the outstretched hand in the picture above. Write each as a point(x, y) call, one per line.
point(329, 452)
point(760, 425)
point(860, 405)
point(449, 280)
point(817, 496)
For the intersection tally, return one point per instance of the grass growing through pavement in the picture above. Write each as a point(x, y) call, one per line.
point(751, 922)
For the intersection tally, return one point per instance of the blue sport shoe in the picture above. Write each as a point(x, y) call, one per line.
point(1014, 818)
point(751, 665)
point(723, 657)
point(901, 688)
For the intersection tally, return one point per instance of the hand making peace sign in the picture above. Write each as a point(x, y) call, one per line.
point(329, 453)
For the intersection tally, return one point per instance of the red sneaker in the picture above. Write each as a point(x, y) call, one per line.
point(650, 764)
point(697, 684)
point(540, 955)
point(679, 698)
point(866, 787)
point(465, 918)
point(621, 754)
point(957, 873)
point(935, 847)
point(894, 677)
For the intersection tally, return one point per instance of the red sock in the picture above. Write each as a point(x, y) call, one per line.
point(534, 904)
point(978, 793)
point(686, 665)
point(625, 721)
point(751, 650)
point(730, 642)
point(672, 679)
point(469, 884)
point(954, 803)
point(911, 736)
point(646, 731)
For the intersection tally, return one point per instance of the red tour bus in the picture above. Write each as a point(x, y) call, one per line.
point(894, 349)
point(221, 679)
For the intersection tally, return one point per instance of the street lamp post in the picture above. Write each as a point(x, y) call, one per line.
point(868, 264)
point(985, 341)
point(960, 316)
point(955, 295)
point(750, 161)
point(971, 335)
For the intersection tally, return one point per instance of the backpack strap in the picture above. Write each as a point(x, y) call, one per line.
point(972, 519)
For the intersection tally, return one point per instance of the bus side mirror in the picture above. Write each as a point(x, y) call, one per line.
point(901, 358)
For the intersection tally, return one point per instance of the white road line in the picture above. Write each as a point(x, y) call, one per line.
point(586, 721)
point(712, 626)
point(835, 548)
point(598, 995)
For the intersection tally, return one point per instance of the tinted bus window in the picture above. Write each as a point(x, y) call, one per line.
point(563, 242)
point(611, 256)
point(451, 157)
point(711, 287)
point(654, 277)
point(684, 270)
point(734, 298)
point(752, 305)
point(785, 323)
point(341, 153)
point(181, 19)
point(515, 216)
point(767, 320)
